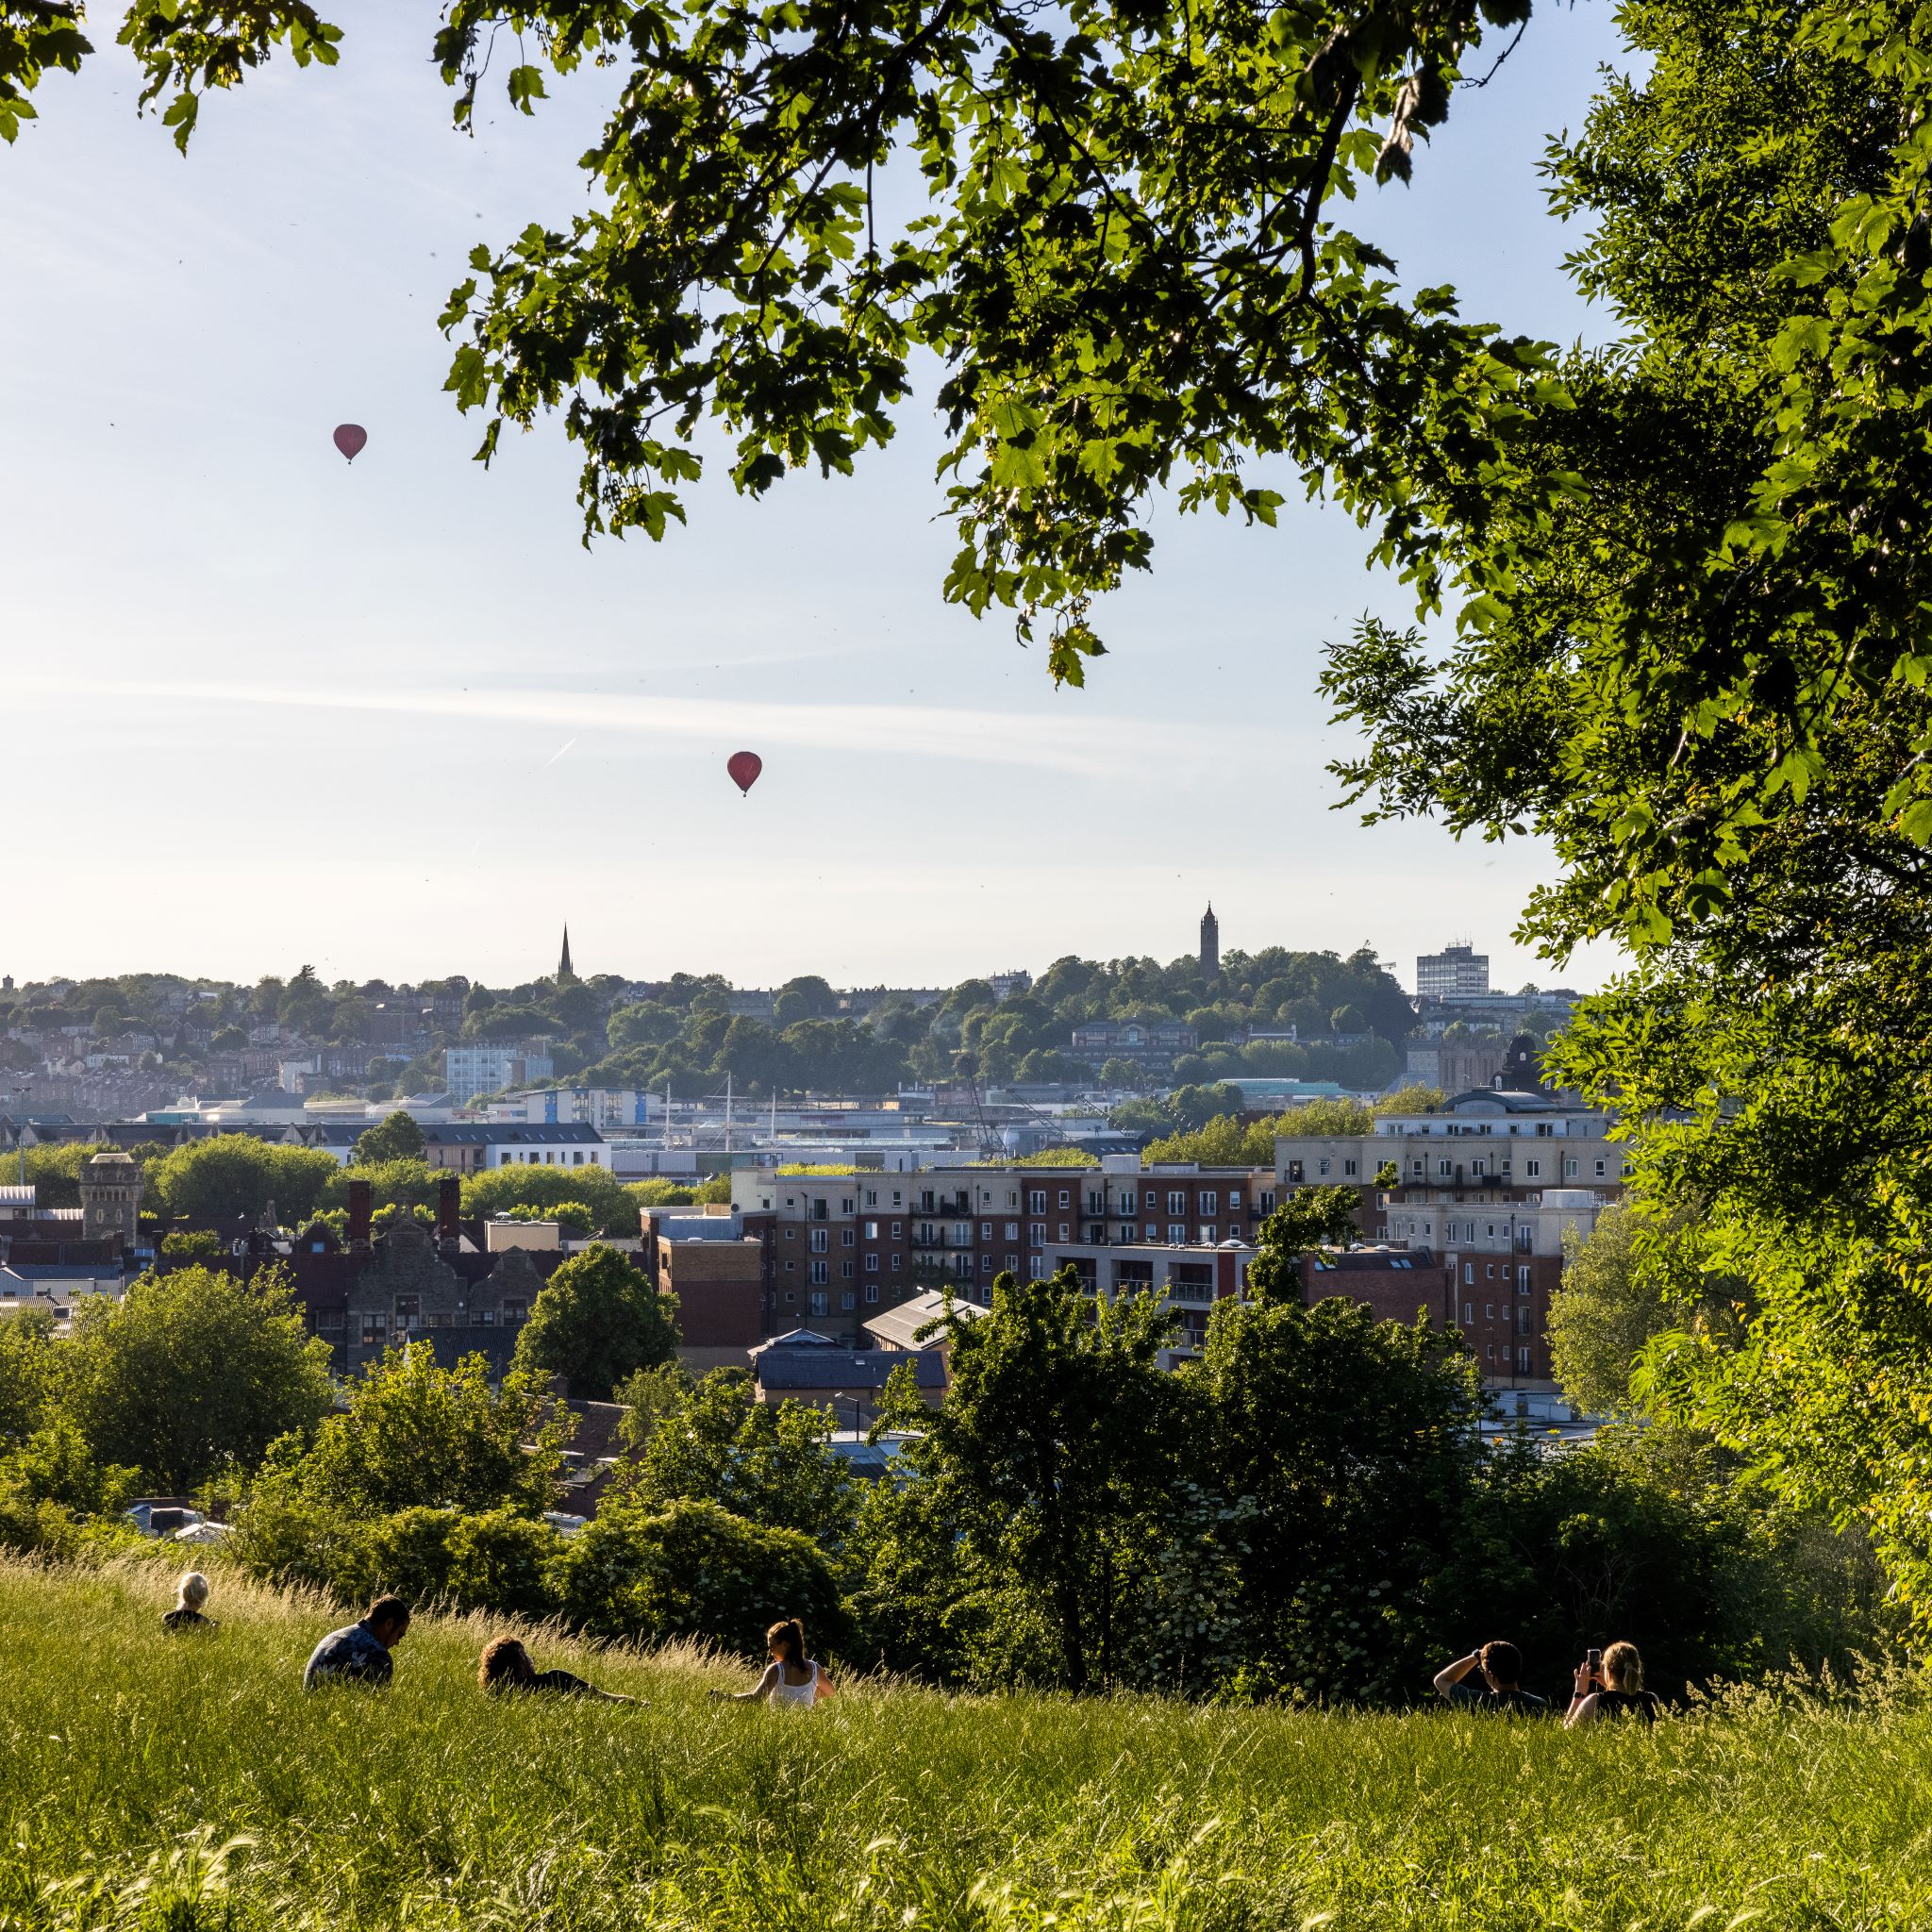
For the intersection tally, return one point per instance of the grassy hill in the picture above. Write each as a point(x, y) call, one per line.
point(128, 1762)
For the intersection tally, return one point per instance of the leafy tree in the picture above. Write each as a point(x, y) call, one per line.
point(234, 1176)
point(769, 1463)
point(1722, 737)
point(397, 1137)
point(194, 1371)
point(1308, 1219)
point(648, 1396)
point(611, 1204)
point(1053, 1452)
point(694, 1569)
point(416, 1434)
point(201, 1243)
point(1355, 1440)
point(29, 1367)
point(407, 1184)
point(597, 1319)
point(1414, 1098)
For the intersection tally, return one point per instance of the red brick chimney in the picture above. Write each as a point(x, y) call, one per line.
point(361, 1200)
point(449, 1208)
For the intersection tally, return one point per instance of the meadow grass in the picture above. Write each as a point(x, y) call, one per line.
point(184, 1784)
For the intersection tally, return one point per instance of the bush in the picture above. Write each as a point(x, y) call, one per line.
point(695, 1569)
point(197, 1244)
point(505, 1562)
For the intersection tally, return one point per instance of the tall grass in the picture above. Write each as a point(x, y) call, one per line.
point(190, 1784)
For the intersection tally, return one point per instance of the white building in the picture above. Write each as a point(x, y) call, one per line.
point(488, 1066)
point(1455, 973)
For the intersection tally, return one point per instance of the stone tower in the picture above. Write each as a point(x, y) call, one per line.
point(110, 1198)
point(1210, 945)
point(564, 971)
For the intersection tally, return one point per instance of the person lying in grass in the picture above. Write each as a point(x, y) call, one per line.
point(359, 1652)
point(189, 1594)
point(790, 1677)
point(505, 1666)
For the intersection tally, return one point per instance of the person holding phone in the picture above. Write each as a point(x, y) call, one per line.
point(1610, 1684)
point(1501, 1680)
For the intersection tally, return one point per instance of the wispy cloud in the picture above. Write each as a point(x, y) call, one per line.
point(1079, 739)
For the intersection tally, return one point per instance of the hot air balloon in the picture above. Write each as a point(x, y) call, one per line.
point(350, 437)
point(744, 766)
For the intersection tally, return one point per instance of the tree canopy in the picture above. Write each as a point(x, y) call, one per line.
point(595, 1322)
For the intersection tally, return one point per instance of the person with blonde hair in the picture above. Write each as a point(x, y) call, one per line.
point(190, 1593)
point(790, 1677)
point(1612, 1687)
point(505, 1666)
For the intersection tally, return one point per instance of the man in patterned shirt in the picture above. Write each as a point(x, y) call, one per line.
point(359, 1652)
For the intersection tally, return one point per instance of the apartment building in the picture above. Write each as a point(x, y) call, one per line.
point(1189, 1279)
point(471, 1148)
point(842, 1243)
point(486, 1066)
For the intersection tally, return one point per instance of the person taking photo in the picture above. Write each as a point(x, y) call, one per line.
point(1498, 1669)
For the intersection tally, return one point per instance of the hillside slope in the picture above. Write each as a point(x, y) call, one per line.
point(128, 1761)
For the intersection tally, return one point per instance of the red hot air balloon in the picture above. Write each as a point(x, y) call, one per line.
point(350, 437)
point(744, 766)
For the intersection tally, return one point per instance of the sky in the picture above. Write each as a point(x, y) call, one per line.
point(266, 707)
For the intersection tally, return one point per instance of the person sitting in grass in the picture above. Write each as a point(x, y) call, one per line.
point(359, 1652)
point(1500, 1666)
point(189, 1594)
point(790, 1677)
point(1612, 1689)
point(505, 1666)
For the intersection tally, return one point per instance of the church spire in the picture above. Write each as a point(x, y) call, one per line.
point(563, 966)
point(1210, 944)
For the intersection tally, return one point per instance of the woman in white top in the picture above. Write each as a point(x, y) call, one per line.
point(790, 1677)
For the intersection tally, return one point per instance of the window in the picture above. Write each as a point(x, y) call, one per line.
point(1208, 1234)
point(577, 1160)
point(1322, 1167)
point(1153, 1232)
point(1488, 1271)
point(1208, 1199)
point(790, 1267)
point(1445, 1167)
point(1012, 1264)
point(1533, 1169)
point(790, 1234)
point(847, 1237)
point(482, 1318)
point(895, 1230)
point(1522, 1281)
point(1601, 1168)
point(1234, 1200)
point(1489, 1311)
point(1490, 1351)
point(1468, 1314)
point(872, 1288)
point(818, 1302)
point(1036, 1200)
point(1469, 1273)
point(986, 1230)
point(821, 1239)
point(846, 1274)
point(1066, 1197)
point(1177, 1233)
point(374, 1331)
point(1065, 1234)
point(1523, 1359)
point(1348, 1167)
point(871, 1264)
point(872, 1198)
point(1479, 1166)
point(871, 1230)
point(1417, 1167)
point(819, 1272)
point(846, 1206)
point(515, 1311)
point(409, 1310)
point(1176, 1202)
point(1570, 1169)
point(897, 1260)
point(1037, 1234)
point(1266, 1203)
point(846, 1299)
point(791, 1295)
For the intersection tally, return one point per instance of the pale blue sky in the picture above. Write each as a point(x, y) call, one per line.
point(266, 707)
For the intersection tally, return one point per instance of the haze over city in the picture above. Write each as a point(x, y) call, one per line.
point(372, 716)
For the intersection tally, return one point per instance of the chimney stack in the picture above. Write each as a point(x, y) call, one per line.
point(362, 1197)
point(449, 1207)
